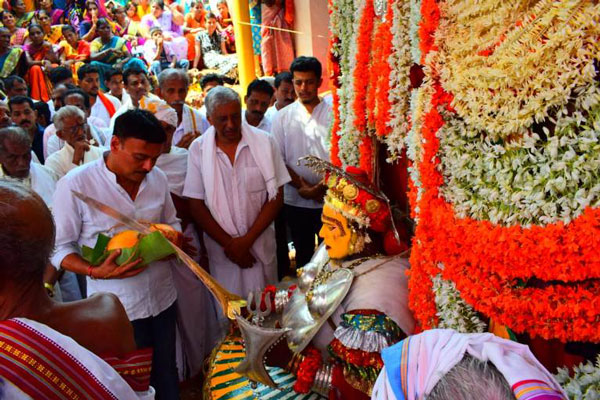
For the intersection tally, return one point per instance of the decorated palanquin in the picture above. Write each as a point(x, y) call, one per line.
point(322, 335)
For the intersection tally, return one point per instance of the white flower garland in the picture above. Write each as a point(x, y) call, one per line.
point(585, 382)
point(526, 181)
point(349, 137)
point(400, 61)
point(415, 22)
point(453, 312)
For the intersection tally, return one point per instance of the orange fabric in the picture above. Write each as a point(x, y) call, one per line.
point(37, 80)
point(191, 53)
point(110, 107)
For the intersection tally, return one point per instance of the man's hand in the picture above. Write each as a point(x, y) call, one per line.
point(186, 140)
point(238, 251)
point(80, 147)
point(312, 192)
point(110, 270)
point(188, 247)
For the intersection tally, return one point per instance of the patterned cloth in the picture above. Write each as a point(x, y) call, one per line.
point(414, 366)
point(255, 20)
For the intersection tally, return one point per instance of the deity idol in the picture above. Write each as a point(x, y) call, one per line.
point(322, 336)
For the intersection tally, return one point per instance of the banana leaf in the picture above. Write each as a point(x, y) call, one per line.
point(150, 248)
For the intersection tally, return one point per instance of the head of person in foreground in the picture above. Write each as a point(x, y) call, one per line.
point(442, 364)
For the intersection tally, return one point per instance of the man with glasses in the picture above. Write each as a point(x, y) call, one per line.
point(78, 149)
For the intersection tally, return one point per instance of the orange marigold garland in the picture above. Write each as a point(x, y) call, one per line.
point(363, 62)
point(381, 106)
point(538, 280)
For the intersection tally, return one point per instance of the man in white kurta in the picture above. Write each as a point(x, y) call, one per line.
point(126, 180)
point(235, 178)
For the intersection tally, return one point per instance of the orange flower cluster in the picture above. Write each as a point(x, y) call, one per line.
point(538, 280)
point(379, 108)
point(363, 62)
point(430, 20)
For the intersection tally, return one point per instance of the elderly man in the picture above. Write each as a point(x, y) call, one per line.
point(284, 93)
point(72, 128)
point(258, 97)
point(4, 115)
point(102, 105)
point(302, 129)
point(61, 338)
point(24, 115)
point(173, 85)
point(127, 180)
point(234, 180)
point(96, 127)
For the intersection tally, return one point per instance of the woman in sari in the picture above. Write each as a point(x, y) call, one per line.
point(88, 27)
point(23, 16)
point(56, 14)
point(143, 8)
point(131, 10)
point(127, 28)
point(110, 51)
point(12, 59)
point(74, 52)
point(226, 26)
point(195, 21)
point(17, 35)
point(52, 33)
point(159, 17)
point(211, 46)
point(40, 58)
point(277, 46)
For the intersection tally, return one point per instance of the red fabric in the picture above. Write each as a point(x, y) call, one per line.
point(341, 390)
point(134, 368)
point(110, 107)
point(42, 369)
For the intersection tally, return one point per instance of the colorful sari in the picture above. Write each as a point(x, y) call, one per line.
point(54, 35)
point(191, 23)
point(106, 63)
point(9, 61)
point(56, 15)
point(36, 79)
point(81, 54)
point(18, 37)
point(24, 21)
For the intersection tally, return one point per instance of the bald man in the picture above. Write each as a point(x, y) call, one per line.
point(61, 332)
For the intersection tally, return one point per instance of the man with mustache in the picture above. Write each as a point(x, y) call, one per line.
point(125, 178)
point(302, 129)
point(173, 85)
point(103, 105)
point(24, 115)
point(235, 181)
point(258, 98)
point(284, 93)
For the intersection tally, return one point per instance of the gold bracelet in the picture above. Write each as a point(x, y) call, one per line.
point(50, 288)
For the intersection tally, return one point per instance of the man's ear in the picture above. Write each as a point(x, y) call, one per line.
point(115, 143)
point(158, 93)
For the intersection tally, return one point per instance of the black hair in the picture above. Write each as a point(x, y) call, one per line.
point(159, 3)
point(112, 72)
point(59, 74)
point(67, 28)
point(87, 69)
point(20, 100)
point(206, 79)
point(43, 110)
point(9, 81)
point(139, 124)
point(210, 15)
point(31, 26)
point(80, 92)
point(259, 85)
point(133, 71)
point(283, 77)
point(4, 12)
point(307, 64)
point(103, 21)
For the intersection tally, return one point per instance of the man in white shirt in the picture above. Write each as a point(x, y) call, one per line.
point(4, 115)
point(126, 180)
point(284, 93)
point(173, 85)
point(72, 128)
point(102, 105)
point(235, 184)
point(136, 86)
point(258, 97)
point(302, 129)
point(113, 79)
point(97, 128)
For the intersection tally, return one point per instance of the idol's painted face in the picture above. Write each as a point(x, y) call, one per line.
point(336, 233)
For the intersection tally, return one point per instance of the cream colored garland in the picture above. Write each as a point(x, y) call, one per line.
point(509, 66)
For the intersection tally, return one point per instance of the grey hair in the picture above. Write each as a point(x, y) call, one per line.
point(220, 95)
point(173, 73)
point(66, 112)
point(16, 135)
point(472, 379)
